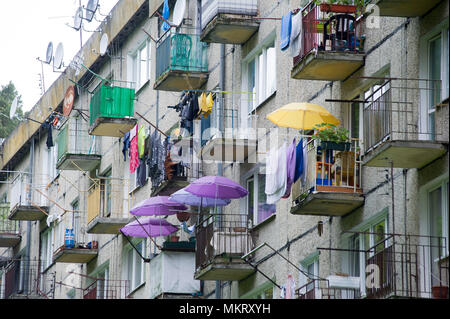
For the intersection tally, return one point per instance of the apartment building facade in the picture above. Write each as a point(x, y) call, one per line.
point(370, 221)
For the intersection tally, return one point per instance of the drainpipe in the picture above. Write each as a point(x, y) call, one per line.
point(30, 193)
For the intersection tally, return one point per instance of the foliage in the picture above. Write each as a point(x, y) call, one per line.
point(7, 94)
point(331, 133)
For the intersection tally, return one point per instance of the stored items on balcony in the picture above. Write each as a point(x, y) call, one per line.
point(111, 111)
point(229, 21)
point(332, 137)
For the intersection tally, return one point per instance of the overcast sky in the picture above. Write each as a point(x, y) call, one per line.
point(26, 28)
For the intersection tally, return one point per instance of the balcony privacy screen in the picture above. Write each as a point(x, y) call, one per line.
point(211, 8)
point(111, 102)
point(181, 52)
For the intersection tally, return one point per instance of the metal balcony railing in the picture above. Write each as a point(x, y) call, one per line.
point(320, 289)
point(25, 191)
point(102, 288)
point(181, 52)
point(211, 8)
point(340, 171)
point(8, 226)
point(25, 279)
point(74, 139)
point(222, 235)
point(329, 32)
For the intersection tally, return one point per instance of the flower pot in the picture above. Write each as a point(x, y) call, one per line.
point(183, 216)
point(337, 8)
point(341, 146)
point(440, 292)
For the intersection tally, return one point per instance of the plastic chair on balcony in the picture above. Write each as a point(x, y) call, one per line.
point(341, 32)
point(181, 46)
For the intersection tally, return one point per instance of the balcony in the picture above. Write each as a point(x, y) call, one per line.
point(394, 131)
point(101, 288)
point(111, 111)
point(181, 62)
point(231, 145)
point(229, 22)
point(173, 273)
point(402, 8)
point(74, 255)
point(76, 149)
point(174, 181)
point(332, 185)
point(221, 242)
point(332, 46)
point(9, 229)
point(24, 280)
point(106, 199)
point(27, 203)
point(397, 266)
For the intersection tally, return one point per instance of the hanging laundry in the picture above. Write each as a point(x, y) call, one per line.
point(134, 151)
point(50, 136)
point(141, 140)
point(201, 104)
point(276, 174)
point(305, 161)
point(142, 171)
point(299, 160)
point(296, 40)
point(286, 27)
point(209, 105)
point(290, 287)
point(290, 167)
point(126, 145)
point(166, 13)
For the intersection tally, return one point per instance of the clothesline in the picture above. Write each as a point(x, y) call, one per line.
point(137, 113)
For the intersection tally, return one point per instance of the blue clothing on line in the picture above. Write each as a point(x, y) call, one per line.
point(299, 160)
point(286, 28)
point(165, 14)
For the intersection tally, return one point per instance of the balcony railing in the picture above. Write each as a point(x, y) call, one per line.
point(223, 235)
point(74, 140)
point(8, 226)
point(338, 33)
point(24, 279)
point(181, 52)
point(392, 115)
point(102, 288)
point(320, 289)
point(332, 170)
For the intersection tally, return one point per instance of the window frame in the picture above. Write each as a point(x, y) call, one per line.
point(255, 216)
point(130, 251)
point(136, 67)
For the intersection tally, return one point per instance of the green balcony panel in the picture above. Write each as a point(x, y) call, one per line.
point(111, 111)
point(181, 63)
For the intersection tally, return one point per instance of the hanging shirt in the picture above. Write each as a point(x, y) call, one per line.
point(126, 145)
point(276, 174)
point(134, 151)
point(286, 27)
point(141, 141)
point(165, 14)
point(290, 167)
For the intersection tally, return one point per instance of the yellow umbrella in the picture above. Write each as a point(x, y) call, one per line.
point(302, 116)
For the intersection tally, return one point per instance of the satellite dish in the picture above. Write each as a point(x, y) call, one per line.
point(104, 44)
point(69, 97)
point(57, 61)
point(178, 12)
point(91, 9)
point(78, 18)
point(49, 55)
point(12, 110)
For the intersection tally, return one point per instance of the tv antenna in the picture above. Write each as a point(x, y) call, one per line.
point(58, 58)
point(178, 12)
point(13, 108)
point(104, 41)
point(91, 8)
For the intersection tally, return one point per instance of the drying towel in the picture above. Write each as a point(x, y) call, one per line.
point(290, 167)
point(141, 141)
point(296, 40)
point(276, 174)
point(286, 25)
point(134, 151)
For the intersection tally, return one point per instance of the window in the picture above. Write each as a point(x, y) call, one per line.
point(106, 194)
point(75, 218)
point(257, 208)
point(135, 265)
point(265, 291)
point(141, 65)
point(310, 272)
point(259, 75)
point(46, 248)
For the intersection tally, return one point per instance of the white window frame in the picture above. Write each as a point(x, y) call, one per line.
point(135, 260)
point(134, 72)
point(311, 260)
point(255, 179)
point(47, 248)
point(443, 30)
point(250, 102)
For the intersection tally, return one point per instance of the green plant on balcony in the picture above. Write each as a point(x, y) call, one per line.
point(332, 137)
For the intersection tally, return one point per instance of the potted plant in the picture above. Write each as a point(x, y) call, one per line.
point(332, 137)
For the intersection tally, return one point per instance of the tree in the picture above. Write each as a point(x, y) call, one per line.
point(7, 94)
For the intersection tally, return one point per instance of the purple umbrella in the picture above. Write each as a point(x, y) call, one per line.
point(184, 197)
point(216, 187)
point(157, 206)
point(147, 226)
